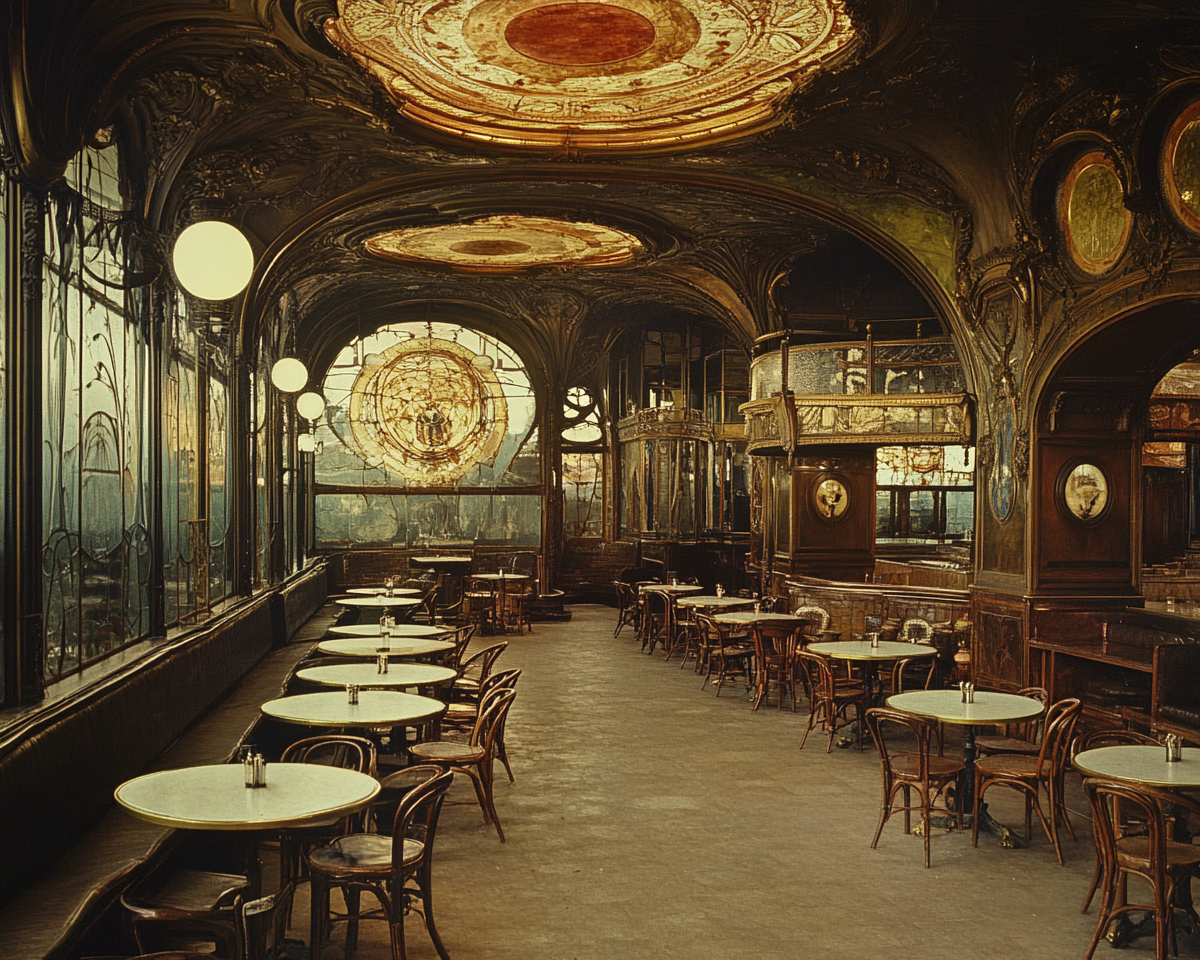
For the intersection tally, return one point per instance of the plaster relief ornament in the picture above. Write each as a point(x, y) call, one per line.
point(508, 244)
point(608, 75)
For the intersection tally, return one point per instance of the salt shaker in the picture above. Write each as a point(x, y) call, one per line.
point(874, 640)
point(381, 664)
point(962, 689)
point(352, 693)
point(720, 590)
point(385, 627)
point(391, 586)
point(248, 765)
point(1174, 748)
point(970, 692)
point(260, 770)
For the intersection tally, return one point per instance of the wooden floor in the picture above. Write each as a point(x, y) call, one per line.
point(650, 818)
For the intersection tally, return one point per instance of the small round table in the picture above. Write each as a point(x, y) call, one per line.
point(378, 603)
point(707, 602)
point(497, 582)
point(671, 588)
point(750, 617)
point(215, 797)
point(1143, 764)
point(406, 630)
point(366, 675)
point(375, 708)
point(399, 649)
point(861, 651)
point(382, 591)
point(947, 706)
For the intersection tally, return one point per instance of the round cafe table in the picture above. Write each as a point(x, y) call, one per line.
point(450, 568)
point(382, 591)
point(399, 675)
point(399, 648)
point(377, 602)
point(496, 583)
point(1142, 764)
point(406, 630)
point(672, 588)
point(989, 708)
point(708, 602)
point(750, 617)
point(861, 651)
point(375, 708)
point(215, 797)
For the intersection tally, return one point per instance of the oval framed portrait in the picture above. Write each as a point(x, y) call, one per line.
point(830, 498)
point(1083, 492)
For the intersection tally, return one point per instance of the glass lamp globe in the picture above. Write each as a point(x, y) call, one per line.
point(306, 443)
point(289, 375)
point(213, 260)
point(310, 405)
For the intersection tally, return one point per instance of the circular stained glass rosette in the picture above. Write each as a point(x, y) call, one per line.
point(606, 75)
point(428, 409)
point(1096, 223)
point(508, 244)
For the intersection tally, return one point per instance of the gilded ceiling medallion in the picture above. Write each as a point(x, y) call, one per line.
point(508, 244)
point(428, 409)
point(603, 75)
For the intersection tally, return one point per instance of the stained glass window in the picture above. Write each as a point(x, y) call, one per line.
point(433, 417)
point(96, 543)
point(1094, 219)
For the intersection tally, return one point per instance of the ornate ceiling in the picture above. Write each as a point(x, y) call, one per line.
point(814, 161)
point(608, 75)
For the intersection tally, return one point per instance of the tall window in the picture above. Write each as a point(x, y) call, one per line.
point(429, 436)
point(583, 447)
point(4, 249)
point(924, 492)
point(96, 542)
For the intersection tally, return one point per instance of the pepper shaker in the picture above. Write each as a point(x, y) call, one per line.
point(352, 693)
point(248, 765)
point(260, 770)
point(874, 640)
point(381, 664)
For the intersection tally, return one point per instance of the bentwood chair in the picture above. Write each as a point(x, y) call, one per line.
point(913, 769)
point(1024, 737)
point(1028, 774)
point(336, 750)
point(474, 671)
point(395, 870)
point(1094, 741)
point(830, 697)
point(727, 659)
point(475, 757)
point(657, 620)
point(627, 607)
point(775, 647)
point(460, 718)
point(1165, 864)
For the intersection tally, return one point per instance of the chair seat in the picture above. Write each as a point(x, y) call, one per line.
point(738, 651)
point(194, 891)
point(446, 751)
point(907, 765)
point(362, 852)
point(1005, 745)
point(1012, 764)
point(1134, 854)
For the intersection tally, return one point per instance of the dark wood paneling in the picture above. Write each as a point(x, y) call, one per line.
point(1164, 515)
point(1097, 555)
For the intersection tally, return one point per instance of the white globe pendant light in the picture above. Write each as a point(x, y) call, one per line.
point(310, 405)
point(289, 375)
point(213, 260)
point(306, 443)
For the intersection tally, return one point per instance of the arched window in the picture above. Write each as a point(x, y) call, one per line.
point(429, 435)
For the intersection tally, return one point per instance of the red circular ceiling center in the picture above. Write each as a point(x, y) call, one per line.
point(490, 248)
point(579, 34)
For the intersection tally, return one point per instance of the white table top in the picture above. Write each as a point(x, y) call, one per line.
point(378, 603)
point(375, 708)
point(947, 705)
point(749, 616)
point(498, 577)
point(440, 559)
point(1142, 764)
point(672, 588)
point(215, 797)
point(366, 675)
point(862, 650)
point(373, 646)
point(713, 603)
point(382, 591)
point(398, 630)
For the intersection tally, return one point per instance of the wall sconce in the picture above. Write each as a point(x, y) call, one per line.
point(213, 260)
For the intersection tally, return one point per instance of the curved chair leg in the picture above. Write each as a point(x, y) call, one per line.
point(424, 882)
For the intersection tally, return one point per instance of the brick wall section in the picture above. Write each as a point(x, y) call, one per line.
point(592, 565)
